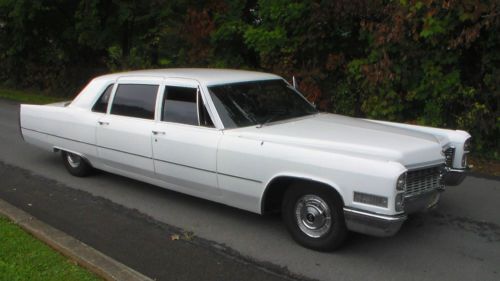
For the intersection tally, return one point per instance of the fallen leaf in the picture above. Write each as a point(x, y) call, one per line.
point(188, 235)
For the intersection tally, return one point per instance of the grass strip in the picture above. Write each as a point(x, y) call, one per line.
point(22, 257)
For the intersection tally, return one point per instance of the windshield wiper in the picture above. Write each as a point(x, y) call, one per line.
point(271, 118)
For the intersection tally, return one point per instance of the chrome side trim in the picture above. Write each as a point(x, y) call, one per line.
point(56, 149)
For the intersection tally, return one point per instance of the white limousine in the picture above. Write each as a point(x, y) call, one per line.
point(250, 140)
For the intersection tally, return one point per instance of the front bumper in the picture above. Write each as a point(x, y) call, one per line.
point(454, 177)
point(371, 223)
point(384, 225)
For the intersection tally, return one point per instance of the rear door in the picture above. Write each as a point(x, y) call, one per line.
point(185, 140)
point(123, 135)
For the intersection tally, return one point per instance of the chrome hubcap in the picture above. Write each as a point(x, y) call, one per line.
point(313, 216)
point(73, 160)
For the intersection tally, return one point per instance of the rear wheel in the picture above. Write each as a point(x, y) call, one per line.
point(314, 217)
point(76, 165)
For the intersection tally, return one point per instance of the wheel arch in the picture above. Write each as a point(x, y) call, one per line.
point(60, 149)
point(276, 187)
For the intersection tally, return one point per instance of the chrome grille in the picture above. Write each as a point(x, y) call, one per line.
point(423, 180)
point(449, 154)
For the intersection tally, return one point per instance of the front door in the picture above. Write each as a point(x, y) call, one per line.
point(185, 140)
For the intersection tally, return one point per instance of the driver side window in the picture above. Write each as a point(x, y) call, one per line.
point(184, 105)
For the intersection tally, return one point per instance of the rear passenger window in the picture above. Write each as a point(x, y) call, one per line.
point(179, 105)
point(135, 100)
point(101, 104)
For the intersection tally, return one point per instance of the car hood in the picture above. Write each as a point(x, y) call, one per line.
point(351, 136)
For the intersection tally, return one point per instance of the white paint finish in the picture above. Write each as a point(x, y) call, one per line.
point(235, 166)
point(89, 95)
point(76, 133)
point(37, 139)
point(185, 156)
point(350, 136)
point(240, 193)
point(77, 124)
point(448, 137)
point(142, 80)
point(264, 161)
point(125, 143)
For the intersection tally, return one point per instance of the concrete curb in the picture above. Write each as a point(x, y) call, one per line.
point(86, 256)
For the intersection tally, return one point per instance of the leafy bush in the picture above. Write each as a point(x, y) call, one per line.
point(430, 62)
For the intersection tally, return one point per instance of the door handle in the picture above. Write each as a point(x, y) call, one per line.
point(158, 133)
point(102, 123)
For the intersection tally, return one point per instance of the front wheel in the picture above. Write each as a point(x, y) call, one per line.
point(314, 216)
point(76, 165)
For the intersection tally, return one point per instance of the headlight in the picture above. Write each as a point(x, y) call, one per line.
point(467, 146)
point(401, 183)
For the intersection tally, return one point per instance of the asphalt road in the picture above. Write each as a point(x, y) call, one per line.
point(460, 240)
point(126, 235)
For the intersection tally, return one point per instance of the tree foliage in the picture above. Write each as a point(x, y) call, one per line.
point(430, 62)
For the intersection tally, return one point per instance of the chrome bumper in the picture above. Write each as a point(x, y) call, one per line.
point(383, 225)
point(454, 177)
point(372, 224)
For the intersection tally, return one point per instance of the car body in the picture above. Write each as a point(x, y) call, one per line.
point(199, 132)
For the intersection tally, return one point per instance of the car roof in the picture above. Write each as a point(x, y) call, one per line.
point(207, 76)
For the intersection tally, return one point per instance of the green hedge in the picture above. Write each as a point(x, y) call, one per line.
point(432, 62)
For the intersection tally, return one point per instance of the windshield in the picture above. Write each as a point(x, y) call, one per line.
point(258, 102)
